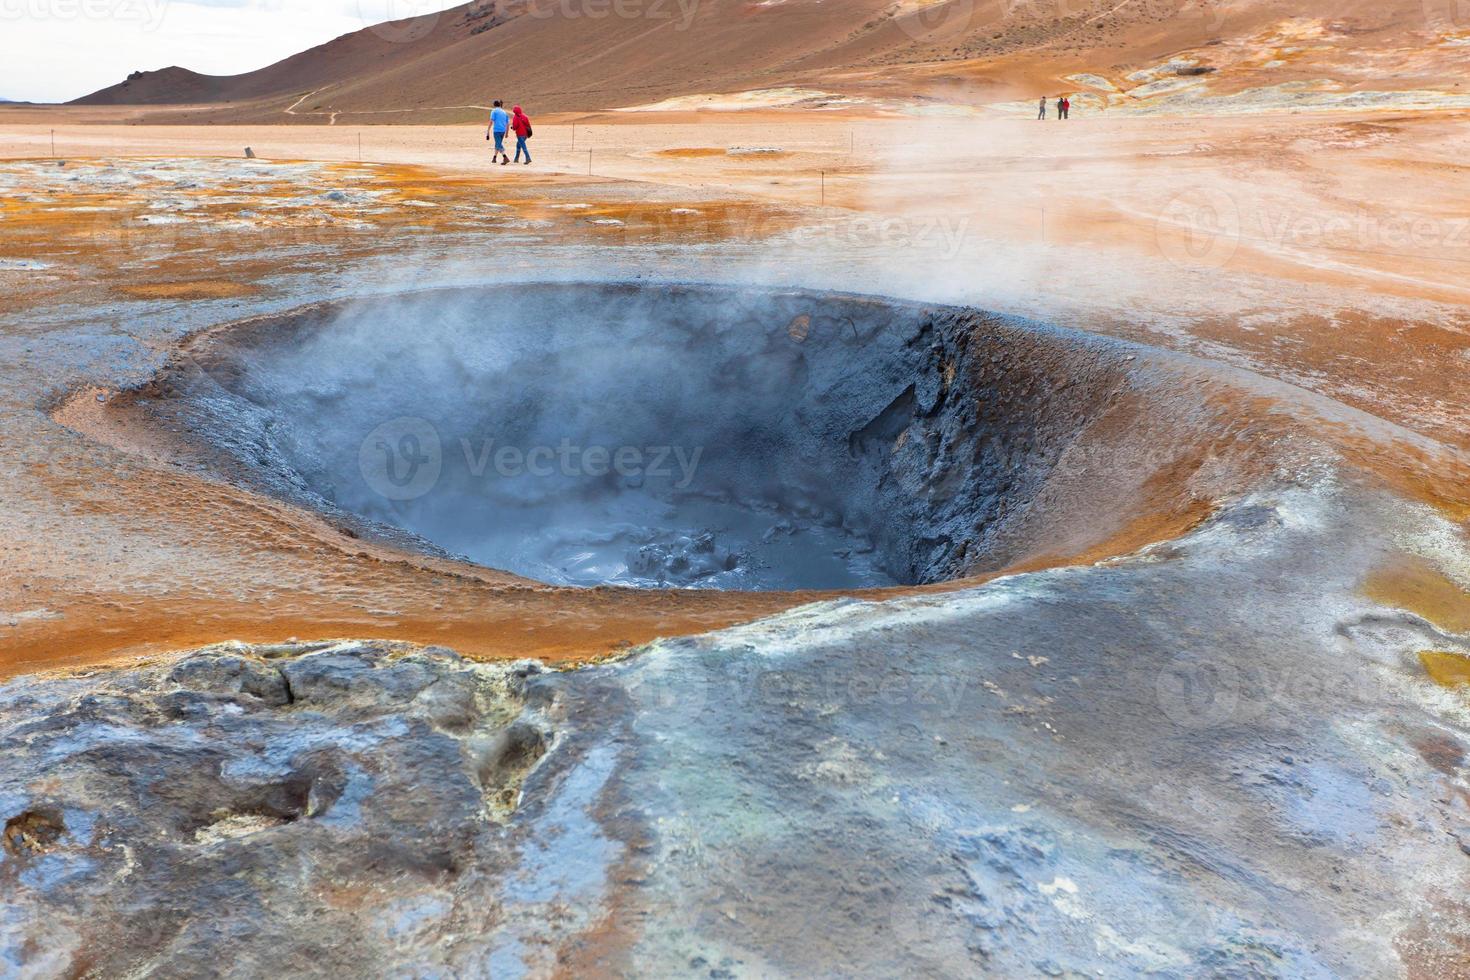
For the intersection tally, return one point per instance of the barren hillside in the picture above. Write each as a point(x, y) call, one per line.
point(587, 55)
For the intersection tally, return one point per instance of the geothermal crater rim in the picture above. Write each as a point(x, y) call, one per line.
point(684, 436)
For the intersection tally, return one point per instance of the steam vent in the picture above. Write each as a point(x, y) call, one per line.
point(855, 490)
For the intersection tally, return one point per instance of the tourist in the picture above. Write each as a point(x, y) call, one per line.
point(1042, 113)
point(499, 124)
point(1064, 106)
point(521, 124)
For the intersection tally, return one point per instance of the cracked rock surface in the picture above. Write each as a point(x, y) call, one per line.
point(1115, 770)
point(158, 817)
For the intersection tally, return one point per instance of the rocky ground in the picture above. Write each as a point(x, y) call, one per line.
point(1234, 746)
point(1108, 771)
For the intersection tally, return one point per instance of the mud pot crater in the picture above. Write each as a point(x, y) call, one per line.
point(690, 436)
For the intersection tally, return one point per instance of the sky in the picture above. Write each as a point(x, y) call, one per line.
point(57, 50)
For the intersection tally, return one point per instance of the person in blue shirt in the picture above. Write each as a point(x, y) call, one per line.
point(499, 125)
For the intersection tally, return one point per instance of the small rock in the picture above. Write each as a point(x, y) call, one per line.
point(33, 832)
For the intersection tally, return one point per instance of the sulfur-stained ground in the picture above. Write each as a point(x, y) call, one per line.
point(1225, 739)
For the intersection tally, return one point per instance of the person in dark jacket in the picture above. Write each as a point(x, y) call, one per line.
point(520, 124)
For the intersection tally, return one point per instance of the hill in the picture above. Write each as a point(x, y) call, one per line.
point(590, 55)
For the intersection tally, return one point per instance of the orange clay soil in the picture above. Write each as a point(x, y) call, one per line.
point(198, 289)
point(1325, 249)
point(1413, 584)
point(326, 582)
point(1445, 668)
point(116, 554)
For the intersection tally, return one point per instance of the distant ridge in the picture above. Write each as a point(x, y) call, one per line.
point(590, 55)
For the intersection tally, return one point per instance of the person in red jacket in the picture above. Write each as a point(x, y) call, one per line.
point(520, 124)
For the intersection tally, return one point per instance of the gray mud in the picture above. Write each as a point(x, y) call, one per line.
point(674, 437)
point(1211, 758)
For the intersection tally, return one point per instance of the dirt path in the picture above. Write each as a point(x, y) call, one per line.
point(335, 113)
